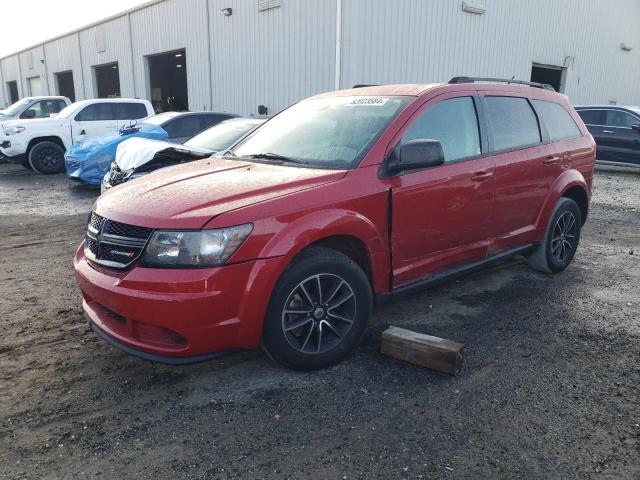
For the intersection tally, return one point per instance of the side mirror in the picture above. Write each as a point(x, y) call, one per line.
point(636, 127)
point(418, 154)
point(28, 114)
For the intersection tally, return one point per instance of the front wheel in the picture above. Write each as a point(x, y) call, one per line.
point(318, 311)
point(560, 243)
point(46, 158)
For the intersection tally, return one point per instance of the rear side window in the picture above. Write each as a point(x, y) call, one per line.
point(618, 118)
point(513, 122)
point(211, 120)
point(557, 120)
point(454, 123)
point(593, 117)
point(96, 113)
point(186, 126)
point(131, 111)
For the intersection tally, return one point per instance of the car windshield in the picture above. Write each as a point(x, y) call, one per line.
point(330, 132)
point(222, 136)
point(15, 108)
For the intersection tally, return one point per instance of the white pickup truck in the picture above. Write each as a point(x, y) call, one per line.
point(34, 107)
point(40, 144)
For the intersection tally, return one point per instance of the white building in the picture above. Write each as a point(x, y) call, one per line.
point(233, 55)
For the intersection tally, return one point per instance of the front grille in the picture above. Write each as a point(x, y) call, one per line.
point(114, 244)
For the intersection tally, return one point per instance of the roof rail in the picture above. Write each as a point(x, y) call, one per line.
point(364, 85)
point(546, 86)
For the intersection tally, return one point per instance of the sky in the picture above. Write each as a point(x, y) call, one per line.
point(29, 22)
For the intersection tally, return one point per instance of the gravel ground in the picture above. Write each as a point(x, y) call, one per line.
point(549, 388)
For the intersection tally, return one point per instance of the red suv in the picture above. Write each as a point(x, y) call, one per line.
point(342, 199)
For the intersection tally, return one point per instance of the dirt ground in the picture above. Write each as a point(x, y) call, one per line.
point(549, 389)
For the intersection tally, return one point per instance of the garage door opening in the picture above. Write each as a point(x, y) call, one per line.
point(168, 81)
point(64, 83)
point(549, 74)
point(35, 86)
point(12, 86)
point(107, 80)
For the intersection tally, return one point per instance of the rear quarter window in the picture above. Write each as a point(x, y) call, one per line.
point(560, 125)
point(513, 123)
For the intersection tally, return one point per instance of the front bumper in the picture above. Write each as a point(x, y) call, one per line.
point(177, 315)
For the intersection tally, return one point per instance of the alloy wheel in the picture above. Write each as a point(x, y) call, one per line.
point(318, 313)
point(565, 237)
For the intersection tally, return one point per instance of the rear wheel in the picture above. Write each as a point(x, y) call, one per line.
point(560, 243)
point(318, 311)
point(46, 158)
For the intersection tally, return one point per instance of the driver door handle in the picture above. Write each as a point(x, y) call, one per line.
point(551, 160)
point(607, 131)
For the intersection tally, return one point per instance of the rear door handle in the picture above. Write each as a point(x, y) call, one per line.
point(607, 131)
point(481, 176)
point(551, 160)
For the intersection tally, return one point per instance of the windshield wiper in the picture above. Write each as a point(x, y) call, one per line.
point(274, 156)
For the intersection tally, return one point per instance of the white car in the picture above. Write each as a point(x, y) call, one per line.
point(34, 107)
point(41, 143)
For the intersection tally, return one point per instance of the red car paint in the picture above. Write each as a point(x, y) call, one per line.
point(407, 228)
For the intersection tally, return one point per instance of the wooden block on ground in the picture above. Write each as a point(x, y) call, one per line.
point(424, 350)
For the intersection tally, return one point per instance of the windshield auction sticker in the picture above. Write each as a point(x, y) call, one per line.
point(374, 101)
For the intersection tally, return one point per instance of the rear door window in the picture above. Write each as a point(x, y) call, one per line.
point(593, 117)
point(618, 118)
point(96, 112)
point(454, 123)
point(558, 121)
point(513, 123)
point(131, 111)
point(186, 126)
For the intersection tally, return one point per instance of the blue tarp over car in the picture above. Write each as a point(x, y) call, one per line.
point(90, 160)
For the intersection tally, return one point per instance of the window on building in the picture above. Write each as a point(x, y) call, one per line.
point(559, 123)
point(513, 121)
point(454, 123)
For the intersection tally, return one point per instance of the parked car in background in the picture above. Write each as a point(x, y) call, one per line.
point(90, 160)
point(137, 157)
point(616, 131)
point(341, 198)
point(34, 107)
point(40, 144)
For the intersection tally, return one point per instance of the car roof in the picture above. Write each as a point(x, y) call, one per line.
point(110, 100)
point(45, 97)
point(403, 89)
point(614, 107)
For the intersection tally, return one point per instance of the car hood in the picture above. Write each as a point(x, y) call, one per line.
point(137, 152)
point(35, 122)
point(190, 195)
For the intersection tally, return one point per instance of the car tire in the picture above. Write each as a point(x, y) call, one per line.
point(46, 158)
point(561, 239)
point(318, 311)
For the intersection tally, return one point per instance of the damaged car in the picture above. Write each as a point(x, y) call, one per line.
point(88, 161)
point(138, 156)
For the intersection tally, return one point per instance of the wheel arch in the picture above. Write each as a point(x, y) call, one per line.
point(36, 140)
point(570, 184)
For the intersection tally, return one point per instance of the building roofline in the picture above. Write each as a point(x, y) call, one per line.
point(124, 13)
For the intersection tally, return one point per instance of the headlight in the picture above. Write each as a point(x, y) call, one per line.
point(14, 130)
point(202, 248)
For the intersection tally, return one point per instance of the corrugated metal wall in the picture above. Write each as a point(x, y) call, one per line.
point(278, 56)
point(63, 54)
